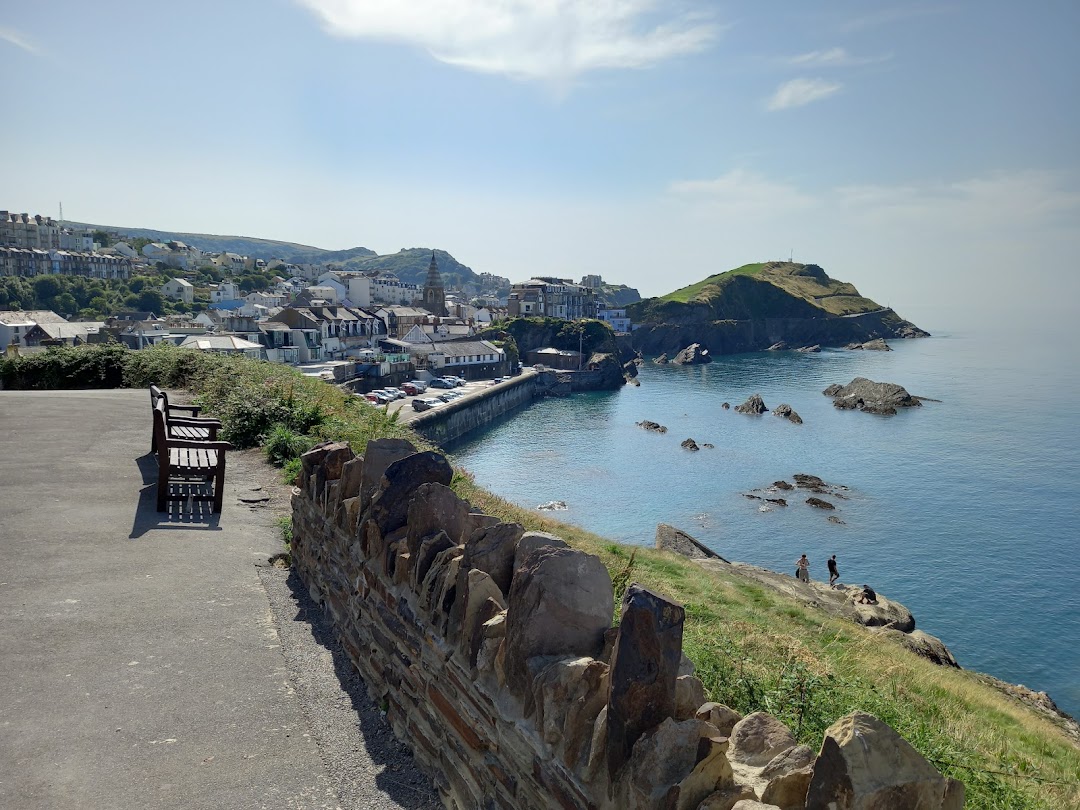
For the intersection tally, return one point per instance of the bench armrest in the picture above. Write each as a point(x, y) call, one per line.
point(195, 444)
point(193, 408)
point(200, 422)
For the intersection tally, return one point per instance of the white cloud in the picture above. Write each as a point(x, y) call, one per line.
point(18, 39)
point(799, 92)
point(834, 57)
point(743, 193)
point(553, 40)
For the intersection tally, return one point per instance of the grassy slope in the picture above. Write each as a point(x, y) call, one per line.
point(758, 651)
point(835, 297)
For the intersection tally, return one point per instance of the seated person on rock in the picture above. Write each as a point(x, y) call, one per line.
point(866, 596)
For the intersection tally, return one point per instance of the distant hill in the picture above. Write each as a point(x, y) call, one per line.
point(244, 245)
point(619, 295)
point(756, 306)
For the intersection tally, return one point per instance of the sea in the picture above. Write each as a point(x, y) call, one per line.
point(966, 510)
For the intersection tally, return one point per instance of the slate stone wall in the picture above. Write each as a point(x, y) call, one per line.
point(493, 651)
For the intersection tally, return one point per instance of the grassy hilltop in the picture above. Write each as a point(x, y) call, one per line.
point(754, 306)
point(753, 649)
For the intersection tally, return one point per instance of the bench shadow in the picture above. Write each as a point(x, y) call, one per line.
point(416, 793)
point(185, 514)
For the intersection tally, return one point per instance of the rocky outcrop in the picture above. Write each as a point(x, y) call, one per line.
point(779, 346)
point(875, 345)
point(662, 360)
point(820, 504)
point(873, 397)
point(689, 444)
point(865, 765)
point(692, 355)
point(493, 653)
point(753, 405)
point(788, 413)
point(655, 427)
point(668, 538)
point(815, 349)
point(924, 645)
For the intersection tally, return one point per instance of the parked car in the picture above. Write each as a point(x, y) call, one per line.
point(498, 380)
point(449, 396)
point(425, 404)
point(394, 393)
point(377, 397)
point(419, 385)
point(409, 389)
point(457, 381)
point(441, 382)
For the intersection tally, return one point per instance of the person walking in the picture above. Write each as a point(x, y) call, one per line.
point(833, 573)
point(802, 570)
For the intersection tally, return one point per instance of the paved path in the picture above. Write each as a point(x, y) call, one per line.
point(142, 664)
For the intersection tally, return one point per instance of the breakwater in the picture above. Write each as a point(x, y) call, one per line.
point(455, 419)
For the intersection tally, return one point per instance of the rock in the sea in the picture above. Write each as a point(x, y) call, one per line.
point(873, 397)
point(856, 346)
point(778, 347)
point(662, 360)
point(836, 520)
point(864, 763)
point(811, 482)
point(553, 506)
point(820, 504)
point(783, 485)
point(689, 444)
point(726, 405)
point(692, 355)
point(672, 539)
point(754, 405)
point(877, 345)
point(788, 413)
point(810, 349)
point(777, 501)
point(709, 446)
point(655, 427)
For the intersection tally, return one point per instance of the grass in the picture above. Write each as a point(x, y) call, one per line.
point(835, 297)
point(753, 649)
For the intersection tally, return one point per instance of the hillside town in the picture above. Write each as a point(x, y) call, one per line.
point(331, 321)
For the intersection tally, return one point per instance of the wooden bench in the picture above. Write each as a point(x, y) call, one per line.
point(186, 460)
point(191, 427)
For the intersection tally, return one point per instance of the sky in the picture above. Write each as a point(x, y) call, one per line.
point(928, 152)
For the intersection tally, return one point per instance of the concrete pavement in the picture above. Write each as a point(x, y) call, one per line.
point(140, 659)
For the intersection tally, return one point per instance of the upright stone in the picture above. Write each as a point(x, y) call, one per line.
point(530, 542)
point(644, 667)
point(379, 455)
point(865, 765)
point(492, 550)
point(560, 604)
point(435, 508)
point(390, 506)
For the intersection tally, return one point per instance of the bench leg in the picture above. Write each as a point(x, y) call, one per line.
point(219, 484)
point(163, 487)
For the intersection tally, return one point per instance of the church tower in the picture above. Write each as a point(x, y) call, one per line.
point(434, 300)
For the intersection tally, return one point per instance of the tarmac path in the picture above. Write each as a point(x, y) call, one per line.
point(156, 660)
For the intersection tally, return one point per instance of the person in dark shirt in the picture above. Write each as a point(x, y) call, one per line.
point(867, 597)
point(833, 573)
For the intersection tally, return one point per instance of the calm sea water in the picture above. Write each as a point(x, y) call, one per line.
point(966, 510)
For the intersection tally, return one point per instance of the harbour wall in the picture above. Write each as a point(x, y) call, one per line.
point(452, 421)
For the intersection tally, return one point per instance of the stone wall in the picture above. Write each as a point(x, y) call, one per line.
point(493, 651)
point(457, 418)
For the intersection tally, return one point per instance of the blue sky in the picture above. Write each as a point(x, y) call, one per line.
point(919, 150)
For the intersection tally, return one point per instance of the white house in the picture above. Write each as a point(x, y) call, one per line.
point(15, 325)
point(616, 318)
point(223, 344)
point(178, 289)
point(225, 291)
point(124, 249)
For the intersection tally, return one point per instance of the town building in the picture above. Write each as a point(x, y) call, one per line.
point(616, 318)
point(15, 325)
point(179, 289)
point(28, 262)
point(469, 358)
point(549, 297)
point(25, 231)
point(434, 297)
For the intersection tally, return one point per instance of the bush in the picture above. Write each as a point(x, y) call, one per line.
point(283, 445)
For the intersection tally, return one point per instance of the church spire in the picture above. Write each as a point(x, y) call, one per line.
point(434, 300)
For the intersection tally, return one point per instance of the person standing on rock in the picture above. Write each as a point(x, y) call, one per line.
point(802, 570)
point(833, 573)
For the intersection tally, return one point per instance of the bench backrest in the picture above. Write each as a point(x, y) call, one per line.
point(160, 432)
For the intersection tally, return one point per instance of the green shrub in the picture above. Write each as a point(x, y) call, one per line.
point(291, 471)
point(283, 445)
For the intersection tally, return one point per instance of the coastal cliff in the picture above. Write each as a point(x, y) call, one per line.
point(758, 306)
